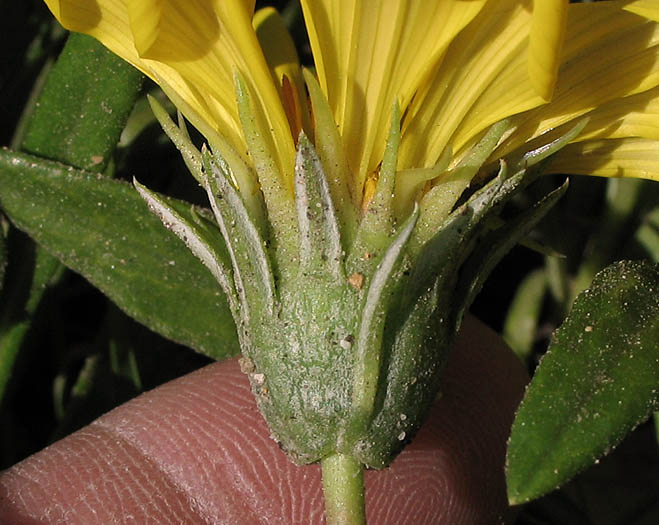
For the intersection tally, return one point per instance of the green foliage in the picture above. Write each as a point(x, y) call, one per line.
point(75, 111)
point(63, 124)
point(102, 229)
point(524, 313)
point(83, 107)
point(599, 380)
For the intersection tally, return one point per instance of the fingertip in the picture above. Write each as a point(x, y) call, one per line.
point(197, 450)
point(453, 470)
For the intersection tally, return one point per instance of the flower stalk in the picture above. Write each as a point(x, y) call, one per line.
point(343, 488)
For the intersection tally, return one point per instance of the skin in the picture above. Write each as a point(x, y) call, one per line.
point(196, 450)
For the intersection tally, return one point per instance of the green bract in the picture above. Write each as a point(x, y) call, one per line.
point(345, 353)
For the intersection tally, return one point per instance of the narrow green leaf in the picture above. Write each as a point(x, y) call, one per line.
point(30, 271)
point(523, 315)
point(83, 106)
point(102, 229)
point(648, 234)
point(10, 343)
point(598, 381)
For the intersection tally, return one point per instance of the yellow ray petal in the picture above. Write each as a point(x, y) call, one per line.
point(369, 53)
point(249, 58)
point(203, 111)
point(106, 21)
point(609, 54)
point(647, 8)
point(482, 80)
point(238, 48)
point(546, 44)
point(167, 31)
point(192, 42)
point(638, 158)
point(109, 21)
point(193, 48)
point(634, 116)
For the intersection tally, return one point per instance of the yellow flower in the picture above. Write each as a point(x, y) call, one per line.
point(454, 67)
point(348, 319)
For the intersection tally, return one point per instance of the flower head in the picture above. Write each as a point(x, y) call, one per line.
point(357, 174)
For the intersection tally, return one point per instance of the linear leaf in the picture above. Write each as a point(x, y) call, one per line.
point(3, 257)
point(83, 106)
point(523, 314)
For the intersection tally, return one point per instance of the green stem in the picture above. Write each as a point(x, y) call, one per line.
point(343, 488)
